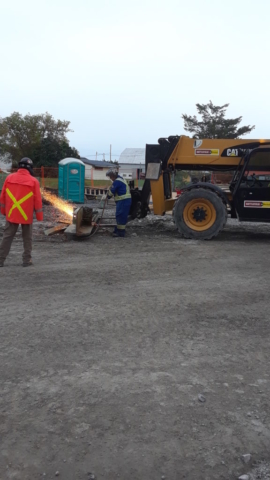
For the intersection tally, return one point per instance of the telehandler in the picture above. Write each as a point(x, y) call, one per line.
point(200, 212)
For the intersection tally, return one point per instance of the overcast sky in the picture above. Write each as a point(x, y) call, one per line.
point(123, 71)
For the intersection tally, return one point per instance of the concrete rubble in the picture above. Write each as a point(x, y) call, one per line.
point(260, 471)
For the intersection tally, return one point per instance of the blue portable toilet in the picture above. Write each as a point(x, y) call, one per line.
point(71, 174)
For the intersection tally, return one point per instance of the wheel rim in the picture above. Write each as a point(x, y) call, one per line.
point(199, 214)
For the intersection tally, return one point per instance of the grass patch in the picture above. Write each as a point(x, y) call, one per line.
point(53, 183)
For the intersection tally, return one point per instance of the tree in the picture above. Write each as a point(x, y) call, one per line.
point(30, 135)
point(50, 151)
point(213, 123)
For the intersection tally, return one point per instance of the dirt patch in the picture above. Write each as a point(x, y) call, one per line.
point(108, 344)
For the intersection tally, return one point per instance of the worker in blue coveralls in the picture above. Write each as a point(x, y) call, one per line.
point(121, 193)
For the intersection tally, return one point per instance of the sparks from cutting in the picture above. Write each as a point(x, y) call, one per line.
point(57, 202)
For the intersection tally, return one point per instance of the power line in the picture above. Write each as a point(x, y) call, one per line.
point(99, 154)
point(115, 154)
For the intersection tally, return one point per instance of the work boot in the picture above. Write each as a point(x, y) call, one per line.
point(1, 264)
point(27, 264)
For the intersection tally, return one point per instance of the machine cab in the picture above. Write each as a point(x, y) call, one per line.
point(251, 194)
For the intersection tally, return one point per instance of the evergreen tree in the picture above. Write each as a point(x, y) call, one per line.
point(213, 123)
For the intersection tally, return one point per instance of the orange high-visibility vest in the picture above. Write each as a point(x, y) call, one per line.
point(21, 197)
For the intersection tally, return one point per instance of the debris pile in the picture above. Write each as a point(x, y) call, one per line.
point(261, 471)
point(158, 222)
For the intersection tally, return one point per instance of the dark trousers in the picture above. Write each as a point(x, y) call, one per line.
point(9, 233)
point(122, 211)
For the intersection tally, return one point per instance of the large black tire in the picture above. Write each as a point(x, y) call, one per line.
point(199, 214)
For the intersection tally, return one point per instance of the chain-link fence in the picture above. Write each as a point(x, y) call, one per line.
point(48, 178)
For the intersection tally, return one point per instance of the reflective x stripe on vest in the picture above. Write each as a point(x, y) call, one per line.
point(127, 194)
point(17, 204)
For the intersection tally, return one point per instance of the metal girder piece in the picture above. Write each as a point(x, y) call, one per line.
point(54, 230)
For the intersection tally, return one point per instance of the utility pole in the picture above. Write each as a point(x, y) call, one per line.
point(96, 156)
point(104, 157)
point(110, 153)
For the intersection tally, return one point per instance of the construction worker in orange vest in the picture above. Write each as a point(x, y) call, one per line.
point(19, 199)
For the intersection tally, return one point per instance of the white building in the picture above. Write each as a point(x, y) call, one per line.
point(95, 169)
point(132, 162)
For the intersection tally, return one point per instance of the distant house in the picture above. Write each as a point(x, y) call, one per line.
point(96, 169)
point(132, 162)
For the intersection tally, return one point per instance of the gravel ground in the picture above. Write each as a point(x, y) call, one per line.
point(141, 358)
